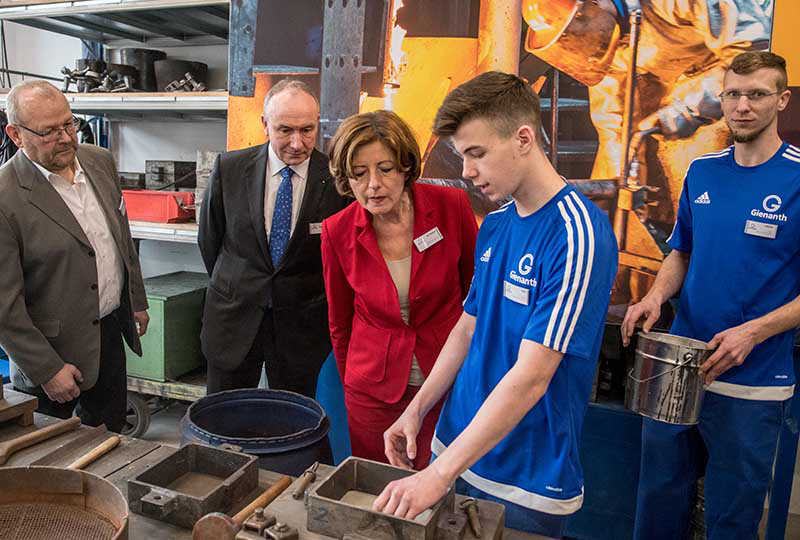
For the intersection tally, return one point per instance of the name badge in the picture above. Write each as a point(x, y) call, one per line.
point(757, 228)
point(314, 228)
point(428, 239)
point(515, 293)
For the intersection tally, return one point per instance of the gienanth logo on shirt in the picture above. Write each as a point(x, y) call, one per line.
point(771, 203)
point(524, 267)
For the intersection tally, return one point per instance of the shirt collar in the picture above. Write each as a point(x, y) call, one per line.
point(276, 165)
point(80, 176)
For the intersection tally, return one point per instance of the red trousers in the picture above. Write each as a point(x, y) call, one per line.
point(368, 421)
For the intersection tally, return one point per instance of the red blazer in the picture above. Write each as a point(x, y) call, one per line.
point(372, 344)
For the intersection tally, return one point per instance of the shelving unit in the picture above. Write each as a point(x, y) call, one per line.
point(133, 106)
point(185, 233)
point(151, 23)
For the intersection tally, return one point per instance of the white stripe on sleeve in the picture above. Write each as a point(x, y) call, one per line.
point(565, 282)
point(576, 278)
point(589, 262)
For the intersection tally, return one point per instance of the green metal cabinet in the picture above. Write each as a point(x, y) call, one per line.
point(171, 346)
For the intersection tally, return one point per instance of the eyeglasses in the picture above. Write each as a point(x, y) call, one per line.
point(753, 96)
point(52, 134)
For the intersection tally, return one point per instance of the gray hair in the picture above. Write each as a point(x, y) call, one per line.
point(13, 98)
point(288, 84)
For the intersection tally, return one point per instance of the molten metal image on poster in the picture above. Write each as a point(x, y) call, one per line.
point(629, 91)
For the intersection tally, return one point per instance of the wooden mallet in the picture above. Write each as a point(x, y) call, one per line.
point(219, 526)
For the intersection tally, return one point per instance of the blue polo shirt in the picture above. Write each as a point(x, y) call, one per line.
point(742, 228)
point(546, 278)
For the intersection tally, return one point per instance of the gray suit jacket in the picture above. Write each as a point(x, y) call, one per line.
point(49, 304)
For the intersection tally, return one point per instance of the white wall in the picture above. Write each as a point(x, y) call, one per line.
point(38, 51)
point(134, 142)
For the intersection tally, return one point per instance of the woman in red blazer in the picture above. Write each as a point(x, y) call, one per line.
point(397, 264)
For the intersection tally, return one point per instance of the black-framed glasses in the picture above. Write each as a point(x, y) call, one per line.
point(52, 134)
point(753, 96)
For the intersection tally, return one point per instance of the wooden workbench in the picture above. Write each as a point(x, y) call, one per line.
point(129, 459)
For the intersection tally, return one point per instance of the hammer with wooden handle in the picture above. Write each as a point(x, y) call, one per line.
point(219, 526)
point(29, 439)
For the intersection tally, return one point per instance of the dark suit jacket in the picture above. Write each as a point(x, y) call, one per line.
point(244, 283)
point(372, 344)
point(48, 275)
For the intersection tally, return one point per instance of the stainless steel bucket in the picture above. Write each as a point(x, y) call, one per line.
point(665, 382)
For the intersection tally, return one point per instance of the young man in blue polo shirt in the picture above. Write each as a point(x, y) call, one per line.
point(520, 362)
point(736, 262)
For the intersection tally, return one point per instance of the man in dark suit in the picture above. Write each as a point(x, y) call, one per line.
point(69, 273)
point(259, 236)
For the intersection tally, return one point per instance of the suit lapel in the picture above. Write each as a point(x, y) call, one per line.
point(104, 197)
point(45, 197)
point(255, 174)
point(423, 222)
point(365, 234)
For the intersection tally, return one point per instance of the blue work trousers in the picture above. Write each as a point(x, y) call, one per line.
point(733, 445)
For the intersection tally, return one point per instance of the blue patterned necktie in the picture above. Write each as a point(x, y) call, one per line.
point(281, 217)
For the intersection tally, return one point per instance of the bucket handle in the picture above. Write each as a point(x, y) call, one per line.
point(688, 357)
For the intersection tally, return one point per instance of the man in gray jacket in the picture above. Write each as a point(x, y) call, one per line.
point(69, 272)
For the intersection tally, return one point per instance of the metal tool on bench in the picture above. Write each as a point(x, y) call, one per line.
point(470, 507)
point(306, 480)
point(217, 526)
point(29, 439)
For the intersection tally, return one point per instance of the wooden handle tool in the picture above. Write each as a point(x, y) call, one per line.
point(95, 453)
point(29, 439)
point(218, 526)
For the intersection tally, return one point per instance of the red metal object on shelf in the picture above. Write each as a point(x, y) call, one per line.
point(159, 206)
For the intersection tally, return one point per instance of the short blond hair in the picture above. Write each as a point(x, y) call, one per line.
point(362, 129)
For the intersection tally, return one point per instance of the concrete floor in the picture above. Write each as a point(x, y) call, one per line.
point(164, 429)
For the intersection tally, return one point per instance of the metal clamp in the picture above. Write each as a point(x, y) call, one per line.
point(281, 531)
point(470, 506)
point(309, 476)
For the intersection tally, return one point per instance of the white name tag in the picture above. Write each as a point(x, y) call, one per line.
point(314, 228)
point(515, 293)
point(757, 228)
point(428, 239)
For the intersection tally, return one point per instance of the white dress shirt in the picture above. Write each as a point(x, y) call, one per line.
point(273, 182)
point(82, 201)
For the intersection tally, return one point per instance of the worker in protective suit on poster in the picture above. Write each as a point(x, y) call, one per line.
point(684, 50)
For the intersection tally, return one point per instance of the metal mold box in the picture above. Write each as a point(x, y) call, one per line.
point(192, 482)
point(329, 515)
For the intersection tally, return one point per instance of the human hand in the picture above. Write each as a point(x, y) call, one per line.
point(62, 386)
point(142, 320)
point(648, 308)
point(412, 495)
point(732, 347)
point(675, 121)
point(400, 440)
